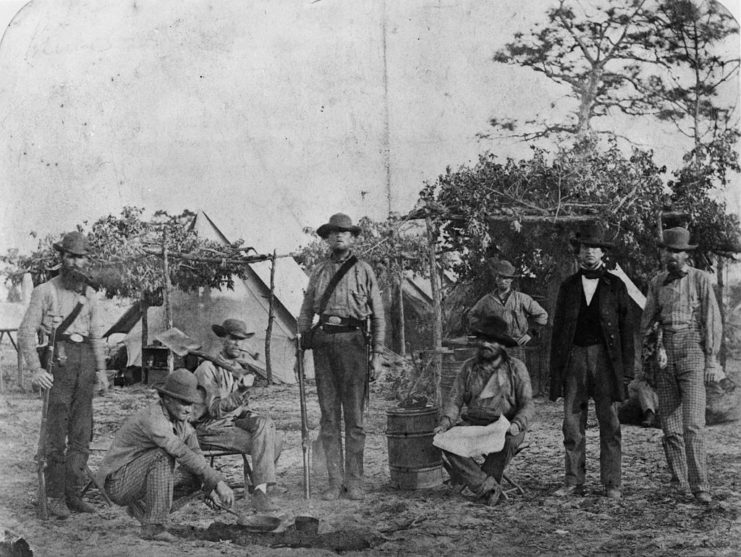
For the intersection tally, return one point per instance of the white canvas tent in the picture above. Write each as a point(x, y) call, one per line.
point(194, 313)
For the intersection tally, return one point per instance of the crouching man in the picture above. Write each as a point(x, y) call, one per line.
point(490, 385)
point(139, 468)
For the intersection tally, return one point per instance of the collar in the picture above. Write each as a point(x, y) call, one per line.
point(591, 274)
point(340, 261)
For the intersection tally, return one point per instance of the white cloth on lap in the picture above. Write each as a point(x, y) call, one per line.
point(473, 440)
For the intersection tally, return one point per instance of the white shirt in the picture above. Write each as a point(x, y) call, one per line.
point(590, 287)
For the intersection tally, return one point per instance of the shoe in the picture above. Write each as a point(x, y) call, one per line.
point(261, 502)
point(494, 496)
point(157, 533)
point(58, 507)
point(76, 504)
point(332, 493)
point(354, 492)
point(613, 493)
point(567, 490)
point(703, 497)
point(649, 419)
point(727, 384)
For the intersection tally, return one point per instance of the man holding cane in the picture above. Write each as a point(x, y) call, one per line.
point(68, 304)
point(343, 292)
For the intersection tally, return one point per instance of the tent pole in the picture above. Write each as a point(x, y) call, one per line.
point(166, 296)
point(271, 316)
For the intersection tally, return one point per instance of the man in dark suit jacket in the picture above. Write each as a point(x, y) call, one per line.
point(591, 356)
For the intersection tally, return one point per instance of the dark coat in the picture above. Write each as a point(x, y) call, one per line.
point(617, 329)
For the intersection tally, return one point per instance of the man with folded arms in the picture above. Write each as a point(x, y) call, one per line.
point(139, 468)
point(490, 385)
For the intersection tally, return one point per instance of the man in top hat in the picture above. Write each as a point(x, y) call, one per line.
point(67, 303)
point(490, 385)
point(339, 342)
point(682, 301)
point(139, 468)
point(591, 356)
point(514, 307)
point(223, 419)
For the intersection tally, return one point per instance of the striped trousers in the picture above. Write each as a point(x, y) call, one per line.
point(681, 390)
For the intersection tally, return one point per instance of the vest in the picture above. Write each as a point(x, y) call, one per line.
point(588, 328)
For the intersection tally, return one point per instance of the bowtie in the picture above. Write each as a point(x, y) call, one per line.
point(671, 277)
point(593, 273)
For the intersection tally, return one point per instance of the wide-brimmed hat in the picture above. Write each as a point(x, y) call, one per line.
point(75, 243)
point(493, 328)
point(591, 234)
point(677, 238)
point(339, 221)
point(502, 267)
point(234, 327)
point(183, 385)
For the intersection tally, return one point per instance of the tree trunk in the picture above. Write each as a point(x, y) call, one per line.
point(166, 298)
point(437, 329)
point(271, 317)
point(402, 331)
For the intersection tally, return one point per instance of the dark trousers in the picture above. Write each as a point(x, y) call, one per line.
point(341, 369)
point(588, 375)
point(70, 420)
point(467, 471)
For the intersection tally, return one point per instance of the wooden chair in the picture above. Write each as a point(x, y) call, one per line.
point(213, 452)
point(514, 486)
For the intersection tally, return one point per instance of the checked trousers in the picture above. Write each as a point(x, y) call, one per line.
point(681, 390)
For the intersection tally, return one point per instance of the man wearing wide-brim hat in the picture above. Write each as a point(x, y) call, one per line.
point(343, 291)
point(681, 299)
point(591, 357)
point(516, 308)
point(489, 385)
point(68, 305)
point(223, 420)
point(139, 468)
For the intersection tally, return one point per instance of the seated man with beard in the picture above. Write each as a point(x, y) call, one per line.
point(490, 385)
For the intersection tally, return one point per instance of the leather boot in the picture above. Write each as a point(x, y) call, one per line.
point(262, 503)
point(75, 503)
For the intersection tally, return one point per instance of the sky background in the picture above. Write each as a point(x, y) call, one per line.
point(268, 116)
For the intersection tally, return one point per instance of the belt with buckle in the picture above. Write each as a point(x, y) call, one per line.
point(336, 324)
point(75, 338)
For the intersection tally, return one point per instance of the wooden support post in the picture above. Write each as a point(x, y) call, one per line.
point(402, 331)
point(437, 329)
point(271, 317)
point(166, 296)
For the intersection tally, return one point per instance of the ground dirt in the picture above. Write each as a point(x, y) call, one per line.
point(649, 520)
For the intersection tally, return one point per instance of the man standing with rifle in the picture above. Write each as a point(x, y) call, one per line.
point(343, 292)
point(66, 303)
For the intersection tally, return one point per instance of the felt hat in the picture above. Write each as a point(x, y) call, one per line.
point(183, 385)
point(339, 221)
point(234, 327)
point(493, 327)
point(591, 234)
point(677, 238)
point(75, 243)
point(502, 267)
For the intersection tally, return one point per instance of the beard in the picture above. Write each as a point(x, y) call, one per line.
point(489, 352)
point(73, 279)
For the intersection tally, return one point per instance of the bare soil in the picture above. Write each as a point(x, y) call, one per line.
point(649, 519)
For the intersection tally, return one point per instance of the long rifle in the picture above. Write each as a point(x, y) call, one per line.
point(305, 440)
point(41, 453)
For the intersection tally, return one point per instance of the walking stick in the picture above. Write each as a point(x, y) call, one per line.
point(305, 440)
point(41, 453)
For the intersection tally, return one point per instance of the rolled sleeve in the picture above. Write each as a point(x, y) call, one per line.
point(29, 327)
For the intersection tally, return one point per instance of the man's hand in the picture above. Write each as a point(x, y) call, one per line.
point(101, 380)
point(443, 426)
point(375, 366)
point(514, 429)
point(222, 495)
point(712, 375)
point(524, 339)
point(42, 379)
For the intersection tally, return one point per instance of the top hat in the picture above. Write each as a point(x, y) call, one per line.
point(493, 327)
point(591, 234)
point(677, 238)
point(502, 268)
point(75, 243)
point(183, 385)
point(234, 327)
point(339, 221)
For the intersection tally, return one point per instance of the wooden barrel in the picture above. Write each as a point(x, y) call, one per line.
point(414, 462)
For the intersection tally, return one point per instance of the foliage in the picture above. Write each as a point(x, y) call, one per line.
point(390, 246)
point(126, 256)
point(691, 36)
point(526, 210)
point(599, 53)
